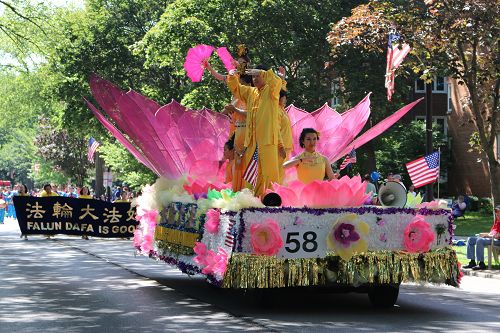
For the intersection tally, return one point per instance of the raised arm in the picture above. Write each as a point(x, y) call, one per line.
point(214, 73)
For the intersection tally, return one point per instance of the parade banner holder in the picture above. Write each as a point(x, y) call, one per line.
point(70, 216)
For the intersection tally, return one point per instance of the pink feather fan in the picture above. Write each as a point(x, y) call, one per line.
point(226, 58)
point(194, 61)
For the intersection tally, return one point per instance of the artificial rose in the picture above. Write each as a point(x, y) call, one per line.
point(418, 235)
point(265, 237)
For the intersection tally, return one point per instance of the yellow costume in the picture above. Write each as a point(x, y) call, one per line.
point(262, 125)
point(83, 196)
point(238, 127)
point(314, 170)
point(45, 194)
point(286, 135)
point(229, 172)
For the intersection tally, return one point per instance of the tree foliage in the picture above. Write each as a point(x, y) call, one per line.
point(67, 151)
point(459, 36)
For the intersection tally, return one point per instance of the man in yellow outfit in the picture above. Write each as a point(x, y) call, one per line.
point(262, 123)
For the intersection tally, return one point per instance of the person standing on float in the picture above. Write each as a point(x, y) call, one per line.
point(262, 123)
point(286, 134)
point(236, 111)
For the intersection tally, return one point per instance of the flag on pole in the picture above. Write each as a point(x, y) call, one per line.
point(252, 170)
point(93, 145)
point(395, 56)
point(350, 158)
point(424, 170)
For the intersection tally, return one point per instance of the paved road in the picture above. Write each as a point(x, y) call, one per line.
point(72, 285)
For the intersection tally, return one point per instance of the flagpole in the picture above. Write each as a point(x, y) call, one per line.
point(439, 168)
point(429, 195)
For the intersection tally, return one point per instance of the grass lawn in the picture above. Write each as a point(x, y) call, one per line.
point(474, 223)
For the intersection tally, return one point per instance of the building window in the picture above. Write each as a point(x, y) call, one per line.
point(336, 99)
point(420, 85)
point(441, 121)
point(439, 85)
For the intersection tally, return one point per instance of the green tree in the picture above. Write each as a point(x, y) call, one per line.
point(65, 150)
point(460, 36)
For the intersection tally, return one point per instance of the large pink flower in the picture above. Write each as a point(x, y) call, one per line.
point(265, 237)
point(418, 235)
point(213, 220)
point(198, 188)
point(343, 192)
point(201, 253)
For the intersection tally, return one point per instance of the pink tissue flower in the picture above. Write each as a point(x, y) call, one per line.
point(209, 261)
point(201, 252)
point(213, 220)
point(265, 237)
point(147, 243)
point(198, 188)
point(418, 235)
point(216, 263)
point(343, 192)
point(137, 237)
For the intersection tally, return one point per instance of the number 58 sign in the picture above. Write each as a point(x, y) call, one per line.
point(303, 242)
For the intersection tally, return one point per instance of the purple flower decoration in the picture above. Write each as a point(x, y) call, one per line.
point(345, 234)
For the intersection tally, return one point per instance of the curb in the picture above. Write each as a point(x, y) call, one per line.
point(489, 274)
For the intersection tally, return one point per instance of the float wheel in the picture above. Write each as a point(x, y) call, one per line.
point(383, 296)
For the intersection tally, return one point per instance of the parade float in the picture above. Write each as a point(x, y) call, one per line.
point(315, 235)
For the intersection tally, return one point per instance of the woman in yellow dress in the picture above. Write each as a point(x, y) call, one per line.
point(84, 193)
point(310, 164)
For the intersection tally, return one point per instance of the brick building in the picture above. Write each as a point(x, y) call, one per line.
point(467, 171)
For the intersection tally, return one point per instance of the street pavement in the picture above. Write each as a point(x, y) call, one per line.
point(72, 285)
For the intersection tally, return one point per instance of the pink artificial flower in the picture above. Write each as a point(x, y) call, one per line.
point(147, 243)
point(265, 237)
point(343, 192)
point(201, 253)
point(213, 220)
point(198, 188)
point(418, 235)
point(216, 263)
point(137, 237)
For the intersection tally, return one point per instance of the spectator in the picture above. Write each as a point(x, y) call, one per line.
point(412, 191)
point(47, 191)
point(397, 178)
point(480, 241)
point(458, 207)
point(85, 193)
point(370, 187)
point(123, 197)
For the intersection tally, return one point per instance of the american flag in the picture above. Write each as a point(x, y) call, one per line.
point(395, 57)
point(350, 158)
point(252, 170)
point(424, 170)
point(93, 145)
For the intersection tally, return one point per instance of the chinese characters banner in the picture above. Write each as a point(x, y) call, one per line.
point(70, 216)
